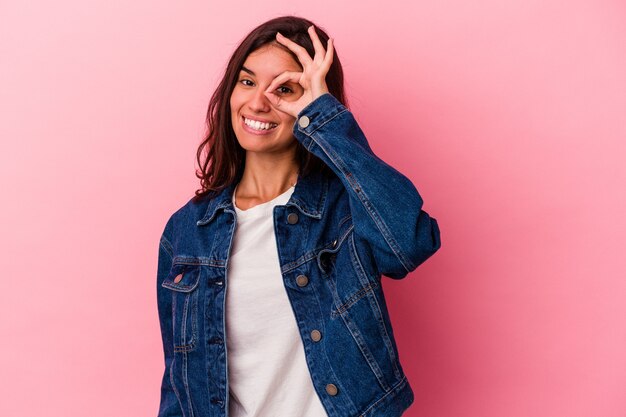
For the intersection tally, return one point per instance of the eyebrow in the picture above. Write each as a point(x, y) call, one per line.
point(248, 71)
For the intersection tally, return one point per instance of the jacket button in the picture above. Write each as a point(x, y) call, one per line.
point(304, 121)
point(302, 280)
point(331, 389)
point(316, 335)
point(334, 243)
point(292, 218)
point(178, 278)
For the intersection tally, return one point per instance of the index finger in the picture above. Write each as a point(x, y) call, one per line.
point(300, 52)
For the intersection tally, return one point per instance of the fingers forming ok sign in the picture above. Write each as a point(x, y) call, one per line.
point(312, 78)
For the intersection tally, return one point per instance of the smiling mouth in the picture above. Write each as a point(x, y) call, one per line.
point(258, 126)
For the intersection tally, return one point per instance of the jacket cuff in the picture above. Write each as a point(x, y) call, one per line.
point(314, 115)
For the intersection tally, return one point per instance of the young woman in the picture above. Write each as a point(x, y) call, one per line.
point(269, 279)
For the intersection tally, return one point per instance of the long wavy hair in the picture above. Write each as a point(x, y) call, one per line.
point(220, 157)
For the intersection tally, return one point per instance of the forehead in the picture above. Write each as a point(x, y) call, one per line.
point(270, 61)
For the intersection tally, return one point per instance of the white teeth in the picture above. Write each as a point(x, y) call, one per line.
point(258, 125)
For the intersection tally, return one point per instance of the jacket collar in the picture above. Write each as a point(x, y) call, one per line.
point(309, 197)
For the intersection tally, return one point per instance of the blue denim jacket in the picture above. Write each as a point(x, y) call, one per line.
point(335, 237)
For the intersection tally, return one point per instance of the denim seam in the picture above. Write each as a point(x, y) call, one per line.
point(353, 299)
point(307, 257)
point(197, 261)
point(358, 339)
point(183, 325)
point(316, 126)
point(394, 390)
point(186, 383)
point(365, 351)
point(380, 224)
point(167, 246)
point(346, 218)
point(374, 305)
point(180, 401)
point(183, 346)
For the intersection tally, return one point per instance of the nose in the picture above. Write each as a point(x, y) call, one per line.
point(258, 102)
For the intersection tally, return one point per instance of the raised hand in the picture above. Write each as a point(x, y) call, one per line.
point(312, 78)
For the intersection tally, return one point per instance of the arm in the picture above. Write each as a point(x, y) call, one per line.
point(385, 205)
point(169, 406)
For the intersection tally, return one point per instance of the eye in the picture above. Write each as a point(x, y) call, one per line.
point(285, 90)
point(245, 80)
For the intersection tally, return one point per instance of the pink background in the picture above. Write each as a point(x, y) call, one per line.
point(509, 116)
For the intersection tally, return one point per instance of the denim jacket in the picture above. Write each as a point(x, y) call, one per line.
point(336, 236)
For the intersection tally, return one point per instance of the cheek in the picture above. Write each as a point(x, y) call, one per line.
point(288, 120)
point(235, 101)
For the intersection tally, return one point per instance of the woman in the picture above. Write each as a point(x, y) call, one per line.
point(269, 292)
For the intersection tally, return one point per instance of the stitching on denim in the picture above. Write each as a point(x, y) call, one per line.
point(180, 340)
point(308, 256)
point(186, 384)
point(196, 261)
point(317, 214)
point(382, 227)
point(323, 123)
point(347, 217)
point(374, 304)
point(353, 299)
point(194, 316)
point(358, 264)
point(167, 246)
point(311, 143)
point(378, 221)
point(185, 348)
point(180, 401)
point(365, 351)
point(174, 328)
point(182, 287)
point(288, 267)
point(394, 390)
point(183, 324)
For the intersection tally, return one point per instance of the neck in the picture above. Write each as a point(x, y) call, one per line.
point(265, 178)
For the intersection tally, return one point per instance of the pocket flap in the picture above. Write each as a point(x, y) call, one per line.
point(183, 278)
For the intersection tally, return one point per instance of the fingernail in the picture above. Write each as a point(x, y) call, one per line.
point(279, 34)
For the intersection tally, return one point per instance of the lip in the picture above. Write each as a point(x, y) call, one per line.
point(256, 132)
point(257, 119)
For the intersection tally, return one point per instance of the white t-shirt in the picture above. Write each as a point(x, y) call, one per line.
point(267, 370)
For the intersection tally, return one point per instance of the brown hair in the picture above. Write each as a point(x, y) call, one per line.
point(220, 157)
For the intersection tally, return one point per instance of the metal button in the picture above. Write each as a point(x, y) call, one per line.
point(334, 243)
point(302, 280)
point(316, 335)
point(331, 389)
point(292, 218)
point(178, 278)
point(304, 121)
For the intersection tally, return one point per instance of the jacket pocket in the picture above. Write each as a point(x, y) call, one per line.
point(362, 308)
point(183, 282)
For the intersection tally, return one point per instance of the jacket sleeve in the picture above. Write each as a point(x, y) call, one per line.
point(386, 207)
point(169, 405)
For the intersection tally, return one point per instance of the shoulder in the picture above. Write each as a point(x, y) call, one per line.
point(186, 216)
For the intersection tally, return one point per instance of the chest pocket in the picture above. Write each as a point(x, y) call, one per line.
point(183, 281)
